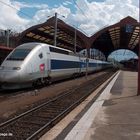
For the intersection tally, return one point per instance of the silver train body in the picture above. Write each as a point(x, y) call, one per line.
point(33, 63)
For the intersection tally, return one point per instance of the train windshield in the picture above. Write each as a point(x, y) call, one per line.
point(19, 54)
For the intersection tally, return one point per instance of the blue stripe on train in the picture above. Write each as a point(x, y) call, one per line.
point(63, 64)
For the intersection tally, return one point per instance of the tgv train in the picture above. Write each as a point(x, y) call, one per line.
point(37, 63)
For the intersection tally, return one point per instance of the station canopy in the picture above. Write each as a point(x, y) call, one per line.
point(45, 33)
point(122, 35)
point(4, 51)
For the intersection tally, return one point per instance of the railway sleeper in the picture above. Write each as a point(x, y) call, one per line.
point(40, 116)
point(40, 123)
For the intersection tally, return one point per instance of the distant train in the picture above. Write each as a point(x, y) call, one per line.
point(37, 63)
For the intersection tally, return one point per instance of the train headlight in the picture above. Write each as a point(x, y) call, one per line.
point(16, 68)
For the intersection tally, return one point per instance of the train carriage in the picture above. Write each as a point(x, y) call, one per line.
point(38, 63)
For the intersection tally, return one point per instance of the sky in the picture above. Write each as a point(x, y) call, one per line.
point(123, 54)
point(88, 16)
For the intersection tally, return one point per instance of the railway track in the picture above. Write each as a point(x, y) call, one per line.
point(35, 122)
point(11, 93)
point(14, 92)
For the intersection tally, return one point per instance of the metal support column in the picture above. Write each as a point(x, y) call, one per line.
point(138, 91)
point(75, 38)
point(87, 61)
point(7, 34)
point(55, 30)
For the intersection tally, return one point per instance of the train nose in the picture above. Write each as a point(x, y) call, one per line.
point(2, 75)
point(9, 77)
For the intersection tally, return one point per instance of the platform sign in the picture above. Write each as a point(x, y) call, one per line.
point(129, 28)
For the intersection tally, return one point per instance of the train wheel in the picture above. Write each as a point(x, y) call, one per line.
point(50, 80)
point(36, 83)
point(42, 82)
point(47, 81)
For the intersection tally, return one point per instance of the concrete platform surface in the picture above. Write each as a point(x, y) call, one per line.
point(119, 117)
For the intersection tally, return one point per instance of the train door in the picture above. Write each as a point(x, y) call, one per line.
point(41, 61)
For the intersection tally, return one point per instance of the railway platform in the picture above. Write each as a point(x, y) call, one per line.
point(113, 116)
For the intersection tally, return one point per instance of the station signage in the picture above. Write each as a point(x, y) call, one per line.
point(129, 28)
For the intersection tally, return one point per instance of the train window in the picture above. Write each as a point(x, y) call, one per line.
point(40, 55)
point(19, 54)
point(58, 50)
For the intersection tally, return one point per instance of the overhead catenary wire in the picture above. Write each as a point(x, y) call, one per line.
point(15, 9)
point(31, 16)
point(79, 8)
